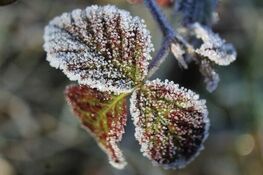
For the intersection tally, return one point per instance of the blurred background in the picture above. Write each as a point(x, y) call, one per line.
point(40, 136)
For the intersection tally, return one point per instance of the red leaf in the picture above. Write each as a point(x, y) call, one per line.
point(103, 115)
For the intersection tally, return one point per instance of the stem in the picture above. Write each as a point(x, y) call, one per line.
point(159, 16)
point(160, 56)
point(170, 35)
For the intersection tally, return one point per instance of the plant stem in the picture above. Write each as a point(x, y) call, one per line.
point(160, 56)
point(159, 16)
point(170, 35)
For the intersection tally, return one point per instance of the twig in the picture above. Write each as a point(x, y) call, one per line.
point(170, 35)
point(163, 22)
point(160, 56)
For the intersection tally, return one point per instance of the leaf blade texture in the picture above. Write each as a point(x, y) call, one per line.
point(171, 123)
point(102, 47)
point(103, 115)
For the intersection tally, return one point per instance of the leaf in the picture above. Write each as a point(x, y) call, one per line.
point(179, 53)
point(213, 47)
point(211, 77)
point(7, 2)
point(171, 123)
point(192, 11)
point(103, 115)
point(102, 47)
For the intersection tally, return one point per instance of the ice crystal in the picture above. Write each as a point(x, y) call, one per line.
point(103, 115)
point(213, 47)
point(102, 47)
point(171, 123)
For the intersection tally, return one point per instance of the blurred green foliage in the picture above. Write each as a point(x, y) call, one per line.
point(38, 134)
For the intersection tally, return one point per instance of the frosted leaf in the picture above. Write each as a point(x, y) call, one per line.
point(211, 78)
point(103, 115)
point(171, 123)
point(213, 47)
point(178, 53)
point(102, 47)
point(192, 11)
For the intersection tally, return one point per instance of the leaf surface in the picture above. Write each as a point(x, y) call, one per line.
point(102, 47)
point(171, 123)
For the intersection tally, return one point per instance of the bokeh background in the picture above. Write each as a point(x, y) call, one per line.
point(40, 136)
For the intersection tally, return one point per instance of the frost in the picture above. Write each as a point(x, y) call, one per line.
point(213, 47)
point(103, 115)
point(102, 47)
point(171, 123)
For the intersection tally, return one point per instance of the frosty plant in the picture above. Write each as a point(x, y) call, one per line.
point(108, 52)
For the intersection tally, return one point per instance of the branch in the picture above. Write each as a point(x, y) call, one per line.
point(170, 35)
point(160, 56)
point(158, 15)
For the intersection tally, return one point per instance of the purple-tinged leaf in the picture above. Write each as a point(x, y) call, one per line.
point(171, 123)
point(103, 115)
point(102, 47)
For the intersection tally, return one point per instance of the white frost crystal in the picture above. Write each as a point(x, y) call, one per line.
point(213, 47)
point(102, 47)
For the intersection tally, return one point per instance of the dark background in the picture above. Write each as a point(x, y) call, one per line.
point(40, 136)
